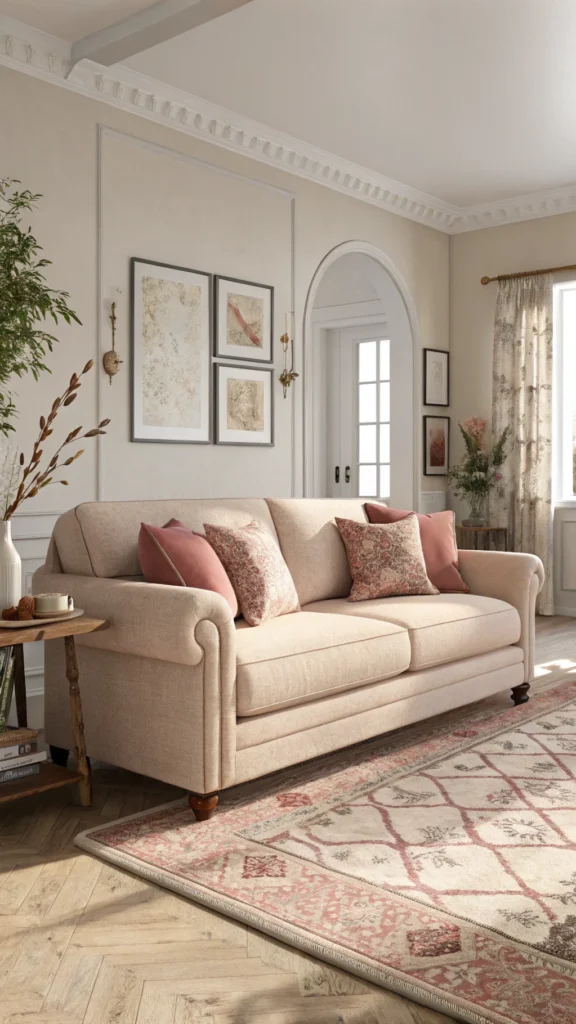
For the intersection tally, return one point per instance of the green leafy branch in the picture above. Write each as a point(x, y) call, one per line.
point(26, 302)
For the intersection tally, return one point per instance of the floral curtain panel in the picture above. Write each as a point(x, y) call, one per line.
point(522, 401)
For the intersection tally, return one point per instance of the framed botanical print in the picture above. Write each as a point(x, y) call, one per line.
point(244, 405)
point(436, 445)
point(243, 320)
point(171, 385)
point(436, 377)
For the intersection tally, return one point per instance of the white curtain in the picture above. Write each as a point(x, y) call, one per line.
point(522, 401)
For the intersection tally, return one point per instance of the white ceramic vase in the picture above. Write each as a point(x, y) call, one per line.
point(10, 568)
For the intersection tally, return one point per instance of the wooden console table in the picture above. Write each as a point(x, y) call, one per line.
point(52, 776)
point(479, 537)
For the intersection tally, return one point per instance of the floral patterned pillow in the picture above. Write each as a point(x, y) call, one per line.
point(386, 560)
point(260, 577)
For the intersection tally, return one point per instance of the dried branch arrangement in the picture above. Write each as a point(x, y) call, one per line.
point(31, 477)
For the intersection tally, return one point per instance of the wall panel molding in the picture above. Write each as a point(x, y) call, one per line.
point(102, 328)
point(565, 559)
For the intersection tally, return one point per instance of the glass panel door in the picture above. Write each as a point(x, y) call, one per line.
point(373, 419)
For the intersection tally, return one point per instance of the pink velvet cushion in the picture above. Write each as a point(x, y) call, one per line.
point(438, 544)
point(259, 574)
point(386, 560)
point(174, 555)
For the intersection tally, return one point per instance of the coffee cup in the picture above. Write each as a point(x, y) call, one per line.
point(53, 604)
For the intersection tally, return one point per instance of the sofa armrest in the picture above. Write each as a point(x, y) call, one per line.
point(510, 576)
point(149, 620)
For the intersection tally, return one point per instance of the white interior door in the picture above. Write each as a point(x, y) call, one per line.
point(358, 414)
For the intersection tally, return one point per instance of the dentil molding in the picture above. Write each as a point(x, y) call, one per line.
point(48, 58)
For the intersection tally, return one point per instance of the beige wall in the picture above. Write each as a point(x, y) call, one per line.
point(153, 204)
point(547, 242)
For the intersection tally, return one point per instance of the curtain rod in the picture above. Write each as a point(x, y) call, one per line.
point(526, 273)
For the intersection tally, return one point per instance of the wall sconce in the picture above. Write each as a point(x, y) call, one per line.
point(111, 360)
point(287, 375)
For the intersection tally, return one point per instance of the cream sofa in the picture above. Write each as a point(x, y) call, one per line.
point(179, 691)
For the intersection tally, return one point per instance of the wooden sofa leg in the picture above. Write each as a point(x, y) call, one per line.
point(203, 806)
point(520, 693)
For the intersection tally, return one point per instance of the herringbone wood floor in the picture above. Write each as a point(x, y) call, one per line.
point(81, 941)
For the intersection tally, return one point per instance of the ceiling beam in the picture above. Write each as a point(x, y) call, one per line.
point(155, 24)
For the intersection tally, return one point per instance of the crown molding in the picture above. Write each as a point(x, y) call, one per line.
point(533, 205)
point(49, 59)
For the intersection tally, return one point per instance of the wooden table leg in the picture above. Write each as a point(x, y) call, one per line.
point(20, 687)
point(85, 785)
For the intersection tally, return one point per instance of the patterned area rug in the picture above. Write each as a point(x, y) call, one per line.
point(439, 862)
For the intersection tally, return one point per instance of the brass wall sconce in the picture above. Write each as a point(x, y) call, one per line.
point(111, 360)
point(287, 375)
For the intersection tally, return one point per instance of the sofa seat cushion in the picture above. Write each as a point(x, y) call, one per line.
point(304, 656)
point(442, 628)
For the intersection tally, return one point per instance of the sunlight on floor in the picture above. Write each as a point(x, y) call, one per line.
point(547, 667)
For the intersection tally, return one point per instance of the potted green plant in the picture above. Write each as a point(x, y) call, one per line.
point(478, 472)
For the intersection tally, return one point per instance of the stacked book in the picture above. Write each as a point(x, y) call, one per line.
point(19, 754)
point(6, 684)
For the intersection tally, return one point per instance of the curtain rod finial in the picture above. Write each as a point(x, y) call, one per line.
point(484, 280)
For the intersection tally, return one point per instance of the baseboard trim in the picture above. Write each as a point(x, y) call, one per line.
point(570, 612)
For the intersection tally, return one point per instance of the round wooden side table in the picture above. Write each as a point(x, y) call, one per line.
point(52, 776)
point(482, 538)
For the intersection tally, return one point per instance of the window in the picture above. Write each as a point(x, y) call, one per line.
point(565, 390)
point(374, 419)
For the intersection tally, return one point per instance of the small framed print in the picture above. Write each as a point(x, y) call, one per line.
point(436, 377)
point(436, 445)
point(243, 320)
point(244, 405)
point(170, 334)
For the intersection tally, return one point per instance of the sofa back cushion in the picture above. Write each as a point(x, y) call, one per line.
point(312, 546)
point(101, 538)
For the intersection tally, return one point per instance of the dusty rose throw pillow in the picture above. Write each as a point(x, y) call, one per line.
point(438, 544)
point(385, 560)
point(177, 556)
point(259, 574)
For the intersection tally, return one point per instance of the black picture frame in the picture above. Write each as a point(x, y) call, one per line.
point(427, 466)
point(134, 262)
point(219, 353)
point(425, 395)
point(218, 367)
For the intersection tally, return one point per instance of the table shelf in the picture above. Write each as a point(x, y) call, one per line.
point(51, 777)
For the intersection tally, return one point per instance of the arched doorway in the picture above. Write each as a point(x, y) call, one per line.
point(358, 296)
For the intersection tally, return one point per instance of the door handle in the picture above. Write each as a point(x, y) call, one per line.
point(347, 474)
point(337, 474)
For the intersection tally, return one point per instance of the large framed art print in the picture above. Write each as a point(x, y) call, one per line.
point(171, 376)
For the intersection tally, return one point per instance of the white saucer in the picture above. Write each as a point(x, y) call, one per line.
point(40, 620)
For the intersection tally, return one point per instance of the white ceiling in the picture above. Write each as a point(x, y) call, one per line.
point(71, 19)
point(470, 101)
